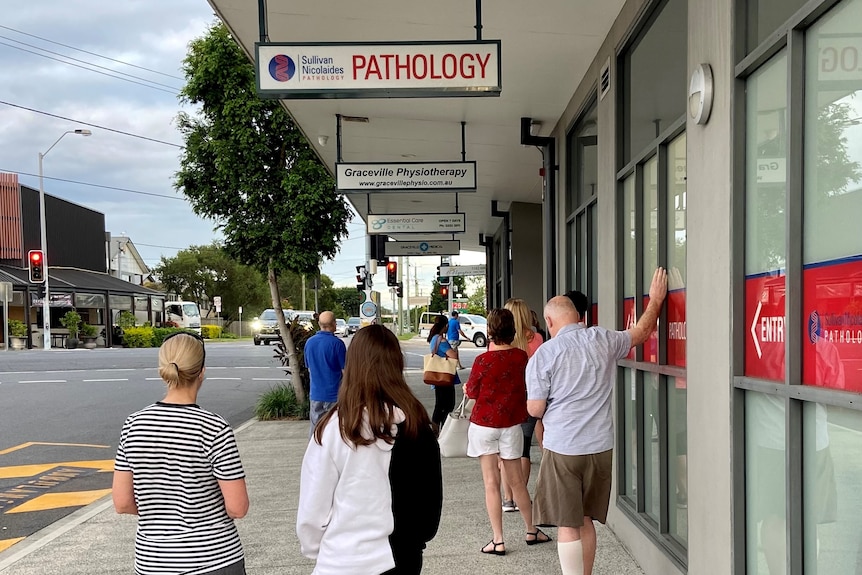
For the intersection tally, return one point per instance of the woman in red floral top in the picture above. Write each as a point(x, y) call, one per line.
point(498, 386)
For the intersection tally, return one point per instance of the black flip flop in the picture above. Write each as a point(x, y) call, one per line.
point(493, 551)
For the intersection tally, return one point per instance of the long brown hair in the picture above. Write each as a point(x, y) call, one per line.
point(373, 384)
point(440, 325)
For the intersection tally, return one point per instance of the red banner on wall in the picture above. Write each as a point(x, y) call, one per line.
point(832, 311)
point(764, 327)
point(676, 328)
point(832, 324)
point(651, 346)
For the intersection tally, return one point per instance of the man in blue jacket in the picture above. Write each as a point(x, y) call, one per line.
point(324, 357)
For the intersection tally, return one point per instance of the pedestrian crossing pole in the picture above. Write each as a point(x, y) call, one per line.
point(401, 299)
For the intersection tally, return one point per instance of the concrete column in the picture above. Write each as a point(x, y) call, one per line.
point(708, 306)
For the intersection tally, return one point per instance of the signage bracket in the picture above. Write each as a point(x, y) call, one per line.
point(478, 25)
point(338, 137)
point(464, 129)
point(263, 26)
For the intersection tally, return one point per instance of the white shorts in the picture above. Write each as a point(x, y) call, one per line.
point(508, 442)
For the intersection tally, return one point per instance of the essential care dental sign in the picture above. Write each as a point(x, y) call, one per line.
point(378, 69)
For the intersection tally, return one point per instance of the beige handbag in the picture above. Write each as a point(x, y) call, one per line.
point(438, 370)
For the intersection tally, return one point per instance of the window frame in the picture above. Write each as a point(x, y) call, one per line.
point(795, 395)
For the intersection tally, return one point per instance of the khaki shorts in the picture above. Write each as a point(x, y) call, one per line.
point(570, 487)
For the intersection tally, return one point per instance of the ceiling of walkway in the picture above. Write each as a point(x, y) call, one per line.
point(547, 48)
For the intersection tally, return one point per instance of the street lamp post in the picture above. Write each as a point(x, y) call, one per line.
point(46, 300)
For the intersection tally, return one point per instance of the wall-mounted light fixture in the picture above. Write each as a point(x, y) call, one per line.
point(535, 126)
point(322, 140)
point(700, 92)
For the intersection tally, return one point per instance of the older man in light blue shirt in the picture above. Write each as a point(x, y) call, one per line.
point(570, 382)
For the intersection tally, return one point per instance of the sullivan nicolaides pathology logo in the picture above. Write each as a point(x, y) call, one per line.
point(814, 327)
point(282, 68)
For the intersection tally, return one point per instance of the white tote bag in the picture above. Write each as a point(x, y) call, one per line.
point(453, 436)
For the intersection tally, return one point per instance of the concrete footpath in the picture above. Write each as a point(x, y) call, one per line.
point(95, 540)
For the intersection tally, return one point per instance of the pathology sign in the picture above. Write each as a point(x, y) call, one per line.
point(406, 176)
point(427, 248)
point(378, 69)
point(831, 320)
point(416, 223)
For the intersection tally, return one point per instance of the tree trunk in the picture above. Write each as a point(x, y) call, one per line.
point(286, 337)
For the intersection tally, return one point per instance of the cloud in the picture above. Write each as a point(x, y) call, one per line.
point(152, 35)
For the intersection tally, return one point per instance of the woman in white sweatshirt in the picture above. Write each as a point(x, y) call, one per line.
point(345, 516)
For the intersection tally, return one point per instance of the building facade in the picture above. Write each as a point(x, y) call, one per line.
point(721, 139)
point(76, 267)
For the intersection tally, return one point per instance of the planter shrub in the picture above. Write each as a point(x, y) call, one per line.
point(210, 331)
point(17, 328)
point(280, 403)
point(160, 333)
point(138, 337)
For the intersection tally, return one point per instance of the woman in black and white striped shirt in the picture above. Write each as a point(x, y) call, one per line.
point(179, 470)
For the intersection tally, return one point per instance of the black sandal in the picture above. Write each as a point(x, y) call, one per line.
point(493, 551)
point(535, 537)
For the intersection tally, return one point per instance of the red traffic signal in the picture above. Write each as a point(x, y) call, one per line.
point(392, 274)
point(444, 291)
point(37, 266)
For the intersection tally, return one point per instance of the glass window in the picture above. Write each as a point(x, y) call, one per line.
point(587, 156)
point(123, 302)
point(158, 304)
point(582, 233)
point(677, 438)
point(630, 437)
point(765, 486)
point(572, 230)
point(89, 300)
point(676, 248)
point(832, 441)
point(629, 255)
point(652, 482)
point(650, 245)
point(766, 193)
point(656, 79)
point(763, 17)
point(832, 243)
point(594, 265)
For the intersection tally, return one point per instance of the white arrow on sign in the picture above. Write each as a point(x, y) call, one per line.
point(754, 330)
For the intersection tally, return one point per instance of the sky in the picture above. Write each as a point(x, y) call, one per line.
point(152, 36)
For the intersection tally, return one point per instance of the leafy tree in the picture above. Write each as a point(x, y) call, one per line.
point(438, 302)
point(348, 299)
point(477, 301)
point(248, 167)
point(201, 272)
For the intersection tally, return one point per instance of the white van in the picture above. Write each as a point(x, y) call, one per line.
point(185, 314)
point(475, 327)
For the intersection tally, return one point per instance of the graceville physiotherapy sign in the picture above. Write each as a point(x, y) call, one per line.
point(378, 69)
point(400, 176)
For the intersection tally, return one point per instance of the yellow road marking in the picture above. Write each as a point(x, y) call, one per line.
point(38, 469)
point(55, 500)
point(31, 443)
point(7, 543)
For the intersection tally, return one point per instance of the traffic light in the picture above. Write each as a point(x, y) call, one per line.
point(399, 289)
point(442, 280)
point(37, 266)
point(361, 278)
point(444, 291)
point(392, 274)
